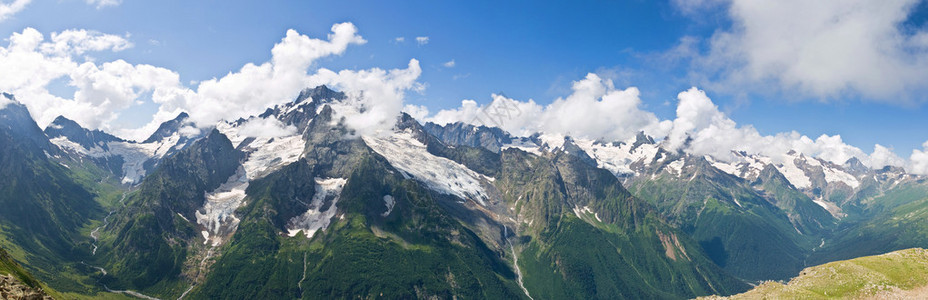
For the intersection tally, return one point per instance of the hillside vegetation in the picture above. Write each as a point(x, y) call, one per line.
point(896, 275)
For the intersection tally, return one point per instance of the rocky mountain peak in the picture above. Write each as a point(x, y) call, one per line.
point(320, 93)
point(169, 128)
point(64, 127)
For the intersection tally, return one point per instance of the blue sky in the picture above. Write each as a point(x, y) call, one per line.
point(523, 49)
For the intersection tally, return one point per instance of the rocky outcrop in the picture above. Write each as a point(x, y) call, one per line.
point(11, 288)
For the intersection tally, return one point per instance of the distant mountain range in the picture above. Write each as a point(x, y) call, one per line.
point(292, 204)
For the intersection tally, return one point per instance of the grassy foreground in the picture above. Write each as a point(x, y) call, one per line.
point(895, 275)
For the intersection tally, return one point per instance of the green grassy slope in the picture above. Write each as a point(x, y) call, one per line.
point(895, 220)
point(755, 235)
point(619, 248)
point(888, 276)
point(416, 251)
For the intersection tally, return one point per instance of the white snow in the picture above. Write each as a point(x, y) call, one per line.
point(265, 154)
point(730, 168)
point(443, 175)
point(618, 159)
point(836, 175)
point(291, 107)
point(523, 144)
point(821, 203)
point(262, 156)
point(811, 161)
point(134, 155)
point(552, 141)
point(314, 219)
point(676, 167)
point(794, 175)
point(744, 166)
point(218, 216)
point(586, 209)
point(389, 202)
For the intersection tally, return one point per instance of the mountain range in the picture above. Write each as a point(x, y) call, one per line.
point(293, 203)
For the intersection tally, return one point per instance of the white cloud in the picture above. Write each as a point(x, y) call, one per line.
point(4, 100)
point(31, 63)
point(375, 96)
point(448, 64)
point(104, 3)
point(822, 49)
point(595, 109)
point(255, 87)
point(918, 162)
point(189, 131)
point(9, 9)
point(80, 41)
point(883, 156)
point(422, 40)
point(711, 132)
point(265, 128)
point(418, 112)
point(399, 39)
point(103, 90)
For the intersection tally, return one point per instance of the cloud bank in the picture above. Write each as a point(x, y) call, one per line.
point(597, 110)
point(33, 63)
point(823, 49)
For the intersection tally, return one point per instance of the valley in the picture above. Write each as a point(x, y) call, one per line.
point(311, 210)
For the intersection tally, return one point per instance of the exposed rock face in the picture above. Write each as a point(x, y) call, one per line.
point(490, 138)
point(11, 288)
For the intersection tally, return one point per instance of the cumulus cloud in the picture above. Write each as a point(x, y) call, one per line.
point(104, 3)
point(189, 131)
point(79, 41)
point(820, 49)
point(883, 156)
point(595, 109)
point(700, 128)
point(255, 87)
point(375, 96)
point(918, 162)
point(103, 90)
point(31, 63)
point(265, 128)
point(422, 40)
point(399, 39)
point(9, 9)
point(449, 64)
point(418, 112)
point(4, 100)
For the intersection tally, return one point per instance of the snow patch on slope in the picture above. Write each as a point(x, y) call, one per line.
point(579, 211)
point(523, 144)
point(552, 141)
point(134, 155)
point(443, 175)
point(315, 218)
point(676, 167)
point(264, 154)
point(834, 175)
point(267, 153)
point(832, 208)
point(730, 168)
point(794, 174)
point(389, 202)
point(618, 159)
point(218, 215)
